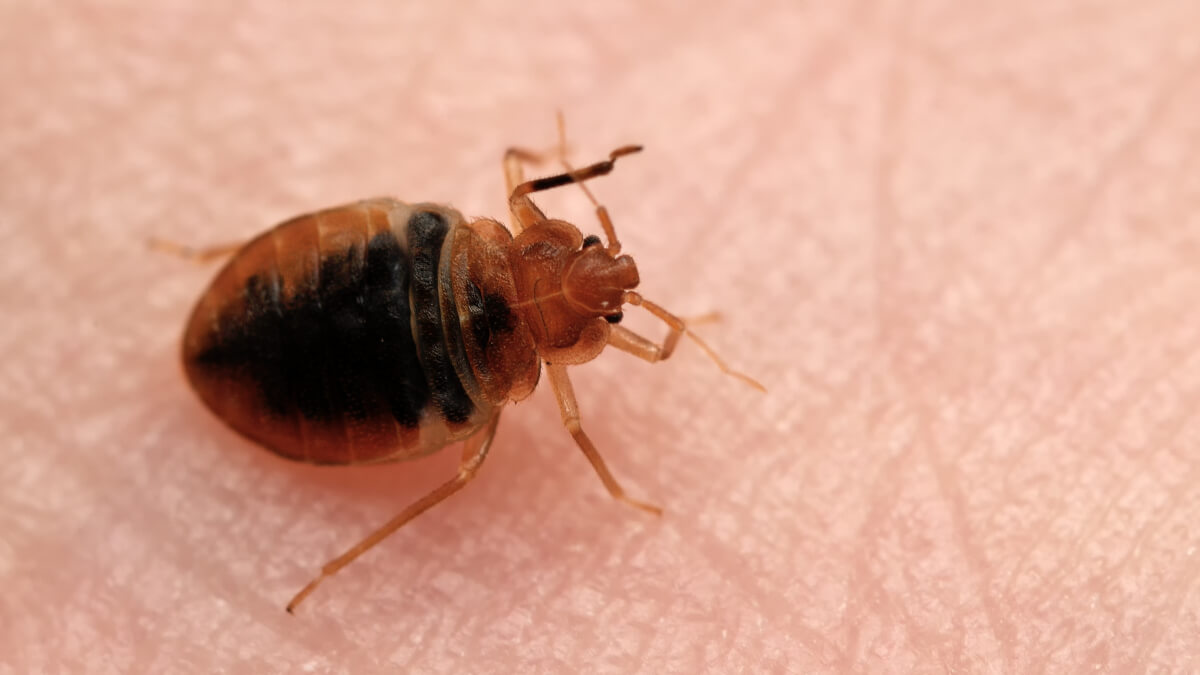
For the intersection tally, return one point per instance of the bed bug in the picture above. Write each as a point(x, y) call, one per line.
point(382, 330)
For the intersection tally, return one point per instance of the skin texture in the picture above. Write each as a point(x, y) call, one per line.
point(957, 242)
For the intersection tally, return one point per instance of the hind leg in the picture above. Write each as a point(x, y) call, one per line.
point(197, 255)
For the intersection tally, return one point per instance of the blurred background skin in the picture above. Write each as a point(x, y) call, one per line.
point(957, 242)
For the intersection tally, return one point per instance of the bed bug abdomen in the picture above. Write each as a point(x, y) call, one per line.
point(323, 340)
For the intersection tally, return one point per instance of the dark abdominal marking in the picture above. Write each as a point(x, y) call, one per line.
point(342, 349)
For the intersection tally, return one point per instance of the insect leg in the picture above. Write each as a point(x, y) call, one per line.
point(565, 394)
point(644, 348)
point(199, 255)
point(524, 210)
point(610, 233)
point(474, 452)
point(628, 341)
point(515, 160)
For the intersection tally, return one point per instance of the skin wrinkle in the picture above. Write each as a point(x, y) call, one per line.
point(1092, 372)
point(895, 103)
point(1189, 580)
point(885, 493)
point(1056, 584)
point(214, 578)
point(1182, 197)
point(1044, 104)
point(951, 493)
point(726, 562)
point(1188, 577)
point(1107, 171)
point(1174, 496)
point(1113, 423)
point(1097, 520)
point(1075, 552)
point(1116, 498)
point(814, 70)
point(884, 250)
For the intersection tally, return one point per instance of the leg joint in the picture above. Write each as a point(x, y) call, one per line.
point(573, 426)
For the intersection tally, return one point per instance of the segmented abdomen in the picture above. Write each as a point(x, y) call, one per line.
point(323, 339)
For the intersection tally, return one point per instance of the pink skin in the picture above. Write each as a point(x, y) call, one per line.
point(957, 244)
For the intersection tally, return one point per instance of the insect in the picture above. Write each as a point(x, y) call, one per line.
point(381, 330)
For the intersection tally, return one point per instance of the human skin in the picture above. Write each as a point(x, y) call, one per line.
point(957, 243)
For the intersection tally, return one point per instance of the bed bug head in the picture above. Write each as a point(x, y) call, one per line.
point(595, 281)
point(593, 278)
point(569, 288)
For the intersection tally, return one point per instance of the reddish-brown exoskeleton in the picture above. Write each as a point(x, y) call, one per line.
point(381, 330)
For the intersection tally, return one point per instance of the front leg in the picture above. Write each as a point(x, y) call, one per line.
point(628, 341)
point(565, 394)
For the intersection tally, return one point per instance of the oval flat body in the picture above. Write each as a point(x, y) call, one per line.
point(336, 337)
point(381, 330)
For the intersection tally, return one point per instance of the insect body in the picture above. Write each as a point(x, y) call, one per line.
point(369, 332)
point(382, 330)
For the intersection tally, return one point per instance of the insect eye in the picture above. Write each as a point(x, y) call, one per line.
point(590, 240)
point(614, 318)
